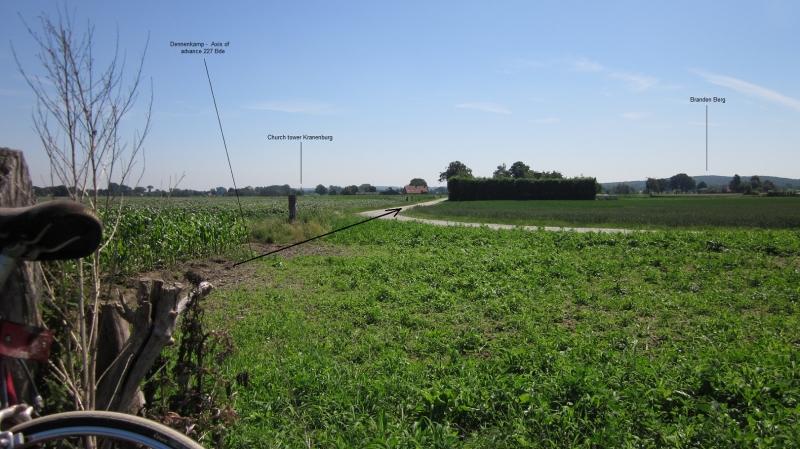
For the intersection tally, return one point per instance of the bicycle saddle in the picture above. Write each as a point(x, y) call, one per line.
point(52, 230)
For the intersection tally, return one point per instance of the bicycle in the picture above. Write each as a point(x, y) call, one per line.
point(60, 230)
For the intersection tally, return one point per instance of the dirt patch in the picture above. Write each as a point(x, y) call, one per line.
point(220, 271)
point(307, 249)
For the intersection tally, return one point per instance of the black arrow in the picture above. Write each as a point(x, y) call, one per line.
point(394, 211)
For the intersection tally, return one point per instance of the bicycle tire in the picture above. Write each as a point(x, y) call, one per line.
point(116, 426)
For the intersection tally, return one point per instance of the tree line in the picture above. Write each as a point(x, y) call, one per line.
point(684, 183)
point(115, 189)
point(518, 170)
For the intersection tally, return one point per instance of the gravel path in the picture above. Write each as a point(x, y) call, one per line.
point(401, 217)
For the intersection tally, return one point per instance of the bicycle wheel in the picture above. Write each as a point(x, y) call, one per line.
point(110, 430)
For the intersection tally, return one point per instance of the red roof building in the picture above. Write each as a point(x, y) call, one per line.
point(415, 189)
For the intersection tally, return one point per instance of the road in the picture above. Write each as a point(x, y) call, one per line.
point(401, 217)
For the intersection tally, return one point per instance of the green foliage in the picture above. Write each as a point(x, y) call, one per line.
point(148, 237)
point(501, 172)
point(657, 212)
point(418, 182)
point(519, 170)
point(455, 168)
point(470, 189)
point(682, 182)
point(419, 336)
point(736, 184)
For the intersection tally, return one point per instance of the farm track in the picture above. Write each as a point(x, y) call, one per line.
point(374, 213)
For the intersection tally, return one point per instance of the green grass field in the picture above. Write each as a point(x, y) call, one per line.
point(405, 335)
point(650, 213)
point(417, 336)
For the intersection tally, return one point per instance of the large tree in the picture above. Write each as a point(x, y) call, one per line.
point(455, 168)
point(519, 170)
point(682, 182)
point(321, 189)
point(418, 182)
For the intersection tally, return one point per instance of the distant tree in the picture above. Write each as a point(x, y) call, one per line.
point(682, 182)
point(220, 191)
point(652, 186)
point(768, 186)
point(598, 188)
point(350, 190)
point(755, 182)
point(321, 189)
point(547, 175)
point(623, 189)
point(367, 188)
point(139, 190)
point(501, 172)
point(390, 191)
point(149, 189)
point(60, 190)
point(418, 182)
point(736, 184)
point(334, 190)
point(663, 184)
point(702, 185)
point(455, 168)
point(519, 170)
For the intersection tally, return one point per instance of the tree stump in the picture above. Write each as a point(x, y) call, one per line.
point(135, 337)
point(22, 291)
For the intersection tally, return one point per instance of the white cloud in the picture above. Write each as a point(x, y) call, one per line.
point(586, 65)
point(546, 120)
point(493, 108)
point(634, 115)
point(293, 107)
point(747, 88)
point(635, 81)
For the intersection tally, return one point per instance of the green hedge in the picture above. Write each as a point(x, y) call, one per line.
point(468, 189)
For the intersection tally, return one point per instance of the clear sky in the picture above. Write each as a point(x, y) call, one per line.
point(586, 88)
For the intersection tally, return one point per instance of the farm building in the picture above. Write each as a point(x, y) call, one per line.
point(409, 189)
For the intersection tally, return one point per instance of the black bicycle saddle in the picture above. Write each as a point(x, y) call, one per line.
point(54, 230)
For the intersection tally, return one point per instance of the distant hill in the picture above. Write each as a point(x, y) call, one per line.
point(714, 180)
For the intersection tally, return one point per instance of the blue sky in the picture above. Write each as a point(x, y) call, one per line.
point(586, 88)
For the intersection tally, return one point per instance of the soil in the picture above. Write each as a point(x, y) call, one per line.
point(221, 273)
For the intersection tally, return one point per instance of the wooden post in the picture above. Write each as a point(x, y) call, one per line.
point(292, 207)
point(21, 292)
